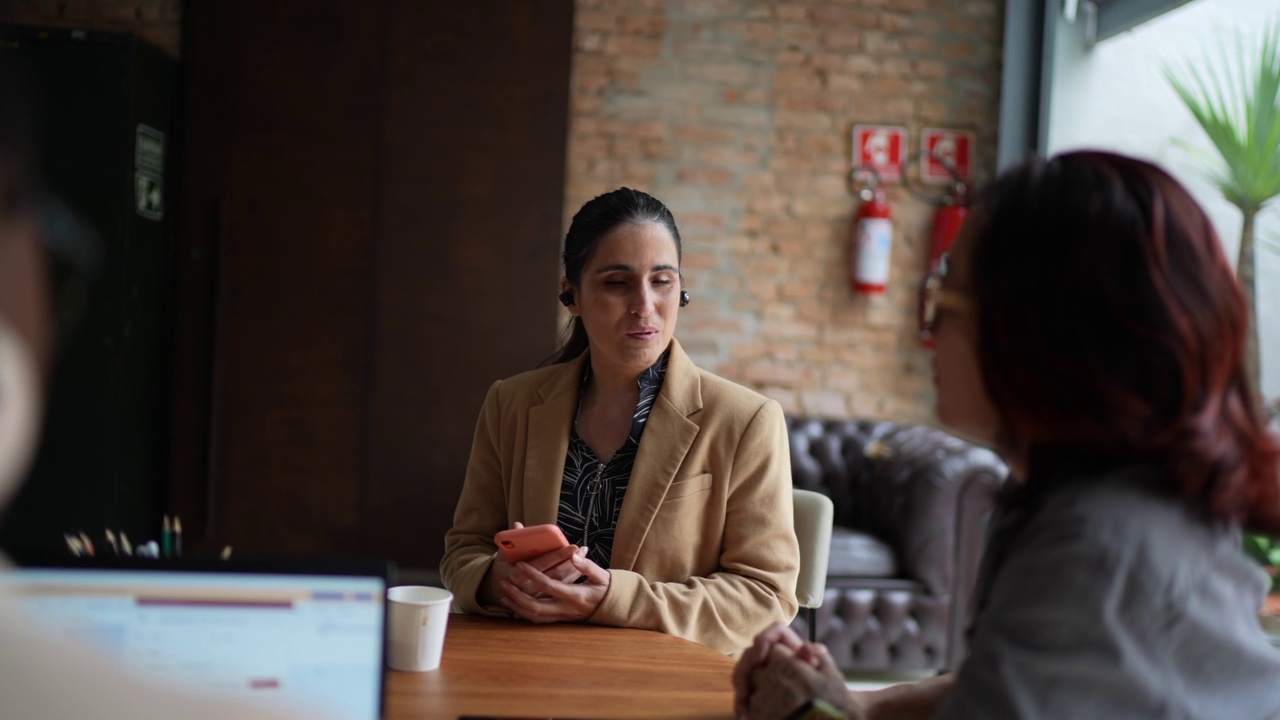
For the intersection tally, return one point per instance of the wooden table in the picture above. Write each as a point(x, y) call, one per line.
point(507, 668)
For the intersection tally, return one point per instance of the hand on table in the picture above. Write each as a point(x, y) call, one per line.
point(554, 564)
point(541, 597)
point(780, 671)
point(756, 656)
point(789, 678)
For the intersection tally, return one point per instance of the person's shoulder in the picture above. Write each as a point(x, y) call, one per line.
point(730, 405)
point(535, 377)
point(531, 382)
point(713, 384)
point(722, 395)
point(1132, 517)
point(1122, 504)
point(693, 388)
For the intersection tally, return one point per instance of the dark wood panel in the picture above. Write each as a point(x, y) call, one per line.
point(375, 191)
point(206, 109)
point(294, 317)
point(472, 187)
point(294, 209)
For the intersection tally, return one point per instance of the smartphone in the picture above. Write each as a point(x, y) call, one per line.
point(527, 543)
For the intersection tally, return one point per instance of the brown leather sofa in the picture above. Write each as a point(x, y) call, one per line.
point(911, 506)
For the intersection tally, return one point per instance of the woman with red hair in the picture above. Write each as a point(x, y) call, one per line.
point(1089, 328)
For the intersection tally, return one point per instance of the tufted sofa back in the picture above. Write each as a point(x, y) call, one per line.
point(897, 482)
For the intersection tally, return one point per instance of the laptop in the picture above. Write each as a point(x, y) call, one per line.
point(308, 636)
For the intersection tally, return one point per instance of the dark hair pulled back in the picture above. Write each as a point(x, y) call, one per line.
point(593, 221)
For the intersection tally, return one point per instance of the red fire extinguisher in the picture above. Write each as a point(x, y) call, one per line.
point(946, 223)
point(872, 241)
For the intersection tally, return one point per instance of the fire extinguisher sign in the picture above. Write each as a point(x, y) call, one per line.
point(880, 147)
point(942, 149)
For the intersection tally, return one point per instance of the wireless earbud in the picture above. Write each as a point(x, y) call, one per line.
point(684, 298)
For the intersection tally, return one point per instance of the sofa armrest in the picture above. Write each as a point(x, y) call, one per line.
point(928, 495)
point(977, 499)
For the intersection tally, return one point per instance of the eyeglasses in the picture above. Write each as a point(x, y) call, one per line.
point(934, 298)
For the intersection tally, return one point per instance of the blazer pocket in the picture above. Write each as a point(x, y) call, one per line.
point(684, 488)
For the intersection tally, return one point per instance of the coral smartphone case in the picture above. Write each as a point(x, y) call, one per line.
point(526, 543)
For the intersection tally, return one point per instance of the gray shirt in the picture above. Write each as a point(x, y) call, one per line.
point(1108, 598)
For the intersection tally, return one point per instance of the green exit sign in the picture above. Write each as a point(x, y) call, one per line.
point(148, 195)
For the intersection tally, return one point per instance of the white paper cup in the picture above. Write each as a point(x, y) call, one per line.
point(416, 620)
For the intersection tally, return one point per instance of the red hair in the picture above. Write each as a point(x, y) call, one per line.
point(1110, 323)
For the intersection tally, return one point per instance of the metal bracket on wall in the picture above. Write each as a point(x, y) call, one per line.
point(1072, 9)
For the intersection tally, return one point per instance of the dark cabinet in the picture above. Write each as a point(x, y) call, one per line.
point(106, 110)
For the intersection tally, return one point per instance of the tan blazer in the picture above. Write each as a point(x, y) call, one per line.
point(705, 547)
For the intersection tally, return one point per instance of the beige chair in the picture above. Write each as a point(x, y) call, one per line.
point(814, 515)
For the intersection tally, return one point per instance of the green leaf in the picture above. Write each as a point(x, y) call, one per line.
point(1235, 99)
point(1258, 547)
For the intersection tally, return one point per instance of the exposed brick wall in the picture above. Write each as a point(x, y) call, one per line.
point(738, 114)
point(156, 21)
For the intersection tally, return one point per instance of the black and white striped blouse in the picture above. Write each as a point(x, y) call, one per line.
point(591, 491)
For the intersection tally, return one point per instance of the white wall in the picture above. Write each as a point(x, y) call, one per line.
point(1114, 96)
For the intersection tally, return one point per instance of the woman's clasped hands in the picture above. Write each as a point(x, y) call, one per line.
point(780, 672)
point(558, 586)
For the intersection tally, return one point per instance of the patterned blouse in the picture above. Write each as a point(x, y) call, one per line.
point(591, 491)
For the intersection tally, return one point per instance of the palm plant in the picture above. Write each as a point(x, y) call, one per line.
point(1267, 552)
point(1237, 103)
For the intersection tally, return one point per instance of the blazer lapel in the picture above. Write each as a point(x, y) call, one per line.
point(668, 435)
point(547, 443)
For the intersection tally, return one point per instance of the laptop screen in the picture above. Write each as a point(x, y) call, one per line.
point(302, 640)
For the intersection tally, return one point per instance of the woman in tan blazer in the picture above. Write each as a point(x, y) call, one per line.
point(673, 484)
